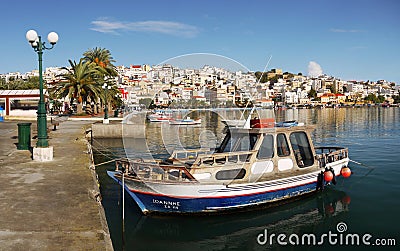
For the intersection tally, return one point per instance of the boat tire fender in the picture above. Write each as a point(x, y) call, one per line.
point(334, 176)
point(320, 181)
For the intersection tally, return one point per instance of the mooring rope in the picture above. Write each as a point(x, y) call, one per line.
point(370, 169)
point(361, 164)
point(99, 151)
point(106, 162)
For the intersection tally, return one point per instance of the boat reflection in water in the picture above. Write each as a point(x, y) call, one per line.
point(235, 231)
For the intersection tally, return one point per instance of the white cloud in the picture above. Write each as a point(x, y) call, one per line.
point(164, 27)
point(314, 69)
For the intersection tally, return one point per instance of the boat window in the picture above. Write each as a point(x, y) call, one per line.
point(233, 174)
point(239, 142)
point(302, 149)
point(226, 144)
point(267, 147)
point(282, 146)
point(246, 142)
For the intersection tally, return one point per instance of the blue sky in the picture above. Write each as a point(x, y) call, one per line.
point(350, 39)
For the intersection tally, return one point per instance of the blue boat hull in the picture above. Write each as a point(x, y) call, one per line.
point(167, 204)
point(159, 203)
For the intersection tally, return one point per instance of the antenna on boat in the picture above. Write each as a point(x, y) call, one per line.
point(247, 123)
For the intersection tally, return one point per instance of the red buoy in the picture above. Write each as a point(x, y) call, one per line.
point(328, 176)
point(329, 209)
point(345, 172)
point(346, 200)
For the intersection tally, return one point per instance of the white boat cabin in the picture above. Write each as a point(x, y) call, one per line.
point(247, 155)
point(244, 156)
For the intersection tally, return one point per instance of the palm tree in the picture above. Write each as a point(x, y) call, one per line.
point(79, 83)
point(102, 58)
point(103, 61)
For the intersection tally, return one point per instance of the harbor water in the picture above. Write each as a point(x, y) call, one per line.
point(366, 203)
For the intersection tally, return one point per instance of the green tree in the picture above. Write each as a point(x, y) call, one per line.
point(78, 83)
point(371, 97)
point(32, 83)
point(9, 85)
point(312, 94)
point(19, 83)
point(146, 102)
point(261, 76)
point(2, 84)
point(102, 61)
point(380, 99)
point(258, 74)
point(101, 57)
point(331, 88)
point(274, 79)
point(396, 99)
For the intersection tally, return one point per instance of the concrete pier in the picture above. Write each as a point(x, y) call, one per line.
point(131, 126)
point(50, 205)
point(118, 130)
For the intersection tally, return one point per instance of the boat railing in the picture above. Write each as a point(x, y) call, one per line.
point(326, 155)
point(189, 153)
point(223, 158)
point(154, 171)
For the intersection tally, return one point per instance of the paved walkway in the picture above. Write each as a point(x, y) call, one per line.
point(49, 205)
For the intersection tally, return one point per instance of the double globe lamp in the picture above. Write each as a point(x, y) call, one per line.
point(42, 150)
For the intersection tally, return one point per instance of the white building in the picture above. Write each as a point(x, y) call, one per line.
point(355, 87)
point(291, 98)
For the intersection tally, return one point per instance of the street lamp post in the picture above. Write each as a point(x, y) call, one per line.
point(106, 88)
point(39, 46)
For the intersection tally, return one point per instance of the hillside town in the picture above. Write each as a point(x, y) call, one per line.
point(162, 86)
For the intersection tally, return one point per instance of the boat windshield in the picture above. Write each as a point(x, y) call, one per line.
point(302, 149)
point(238, 142)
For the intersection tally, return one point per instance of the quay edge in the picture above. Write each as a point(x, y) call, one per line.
point(50, 205)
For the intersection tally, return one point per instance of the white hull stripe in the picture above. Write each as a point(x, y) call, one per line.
point(289, 181)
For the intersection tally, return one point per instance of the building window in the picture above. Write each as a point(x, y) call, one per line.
point(267, 148)
point(302, 149)
point(282, 145)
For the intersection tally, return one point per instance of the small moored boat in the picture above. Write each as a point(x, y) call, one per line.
point(253, 166)
point(160, 116)
point(185, 121)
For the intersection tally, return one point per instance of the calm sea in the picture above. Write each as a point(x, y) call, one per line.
point(368, 202)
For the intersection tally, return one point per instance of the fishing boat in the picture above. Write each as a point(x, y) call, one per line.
point(255, 165)
point(234, 123)
point(159, 116)
point(288, 123)
point(185, 121)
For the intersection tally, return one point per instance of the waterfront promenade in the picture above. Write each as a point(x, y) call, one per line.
point(50, 205)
